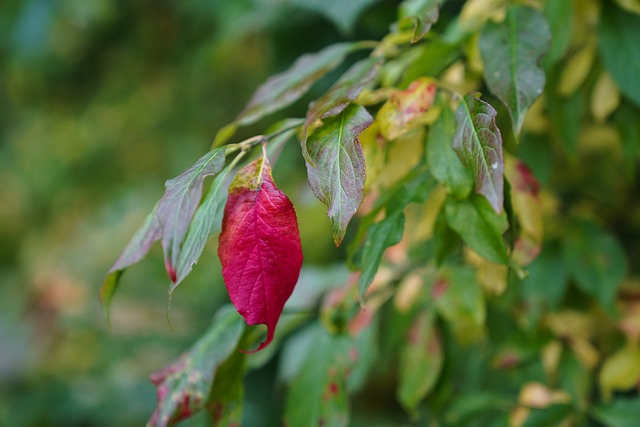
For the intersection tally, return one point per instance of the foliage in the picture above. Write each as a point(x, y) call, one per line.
point(503, 138)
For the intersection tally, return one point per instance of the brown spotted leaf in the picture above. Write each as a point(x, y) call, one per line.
point(404, 109)
point(183, 386)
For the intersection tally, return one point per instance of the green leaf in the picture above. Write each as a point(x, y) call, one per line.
point(342, 93)
point(137, 248)
point(620, 371)
point(619, 32)
point(184, 386)
point(179, 203)
point(344, 14)
point(479, 227)
point(551, 416)
point(227, 392)
point(566, 114)
point(629, 128)
point(285, 88)
point(430, 60)
point(478, 143)
point(421, 13)
point(459, 299)
point(421, 360)
point(443, 161)
point(206, 222)
point(337, 172)
point(387, 232)
point(511, 52)
point(560, 16)
point(318, 395)
point(619, 413)
point(596, 260)
point(381, 235)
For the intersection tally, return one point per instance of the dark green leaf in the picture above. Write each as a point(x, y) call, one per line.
point(421, 360)
point(184, 386)
point(338, 171)
point(566, 114)
point(179, 203)
point(619, 33)
point(459, 299)
point(380, 236)
point(479, 226)
point(342, 13)
point(318, 394)
point(137, 248)
point(478, 143)
point(205, 223)
point(388, 231)
point(286, 87)
point(341, 94)
point(628, 125)
point(619, 413)
point(596, 260)
point(421, 13)
point(443, 161)
point(551, 416)
point(511, 52)
point(559, 15)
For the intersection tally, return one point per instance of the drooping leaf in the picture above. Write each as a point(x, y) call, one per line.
point(511, 52)
point(619, 32)
point(259, 247)
point(343, 14)
point(179, 203)
point(422, 14)
point(285, 88)
point(183, 386)
point(338, 172)
point(387, 232)
point(318, 393)
point(478, 143)
point(619, 413)
point(342, 93)
point(479, 227)
point(443, 161)
point(458, 298)
point(421, 360)
point(137, 248)
point(206, 222)
point(596, 260)
point(404, 109)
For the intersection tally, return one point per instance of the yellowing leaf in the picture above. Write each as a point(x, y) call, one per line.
point(373, 147)
point(403, 154)
point(403, 111)
point(605, 97)
point(492, 276)
point(621, 371)
point(408, 290)
point(630, 5)
point(577, 69)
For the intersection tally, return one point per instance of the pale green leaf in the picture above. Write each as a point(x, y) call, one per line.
point(619, 413)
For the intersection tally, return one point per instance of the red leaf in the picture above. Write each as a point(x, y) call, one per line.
point(259, 247)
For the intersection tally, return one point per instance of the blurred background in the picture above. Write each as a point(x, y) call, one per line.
point(101, 101)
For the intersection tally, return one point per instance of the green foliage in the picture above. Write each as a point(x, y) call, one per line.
point(478, 159)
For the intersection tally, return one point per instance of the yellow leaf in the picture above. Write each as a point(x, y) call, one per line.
point(536, 121)
point(571, 324)
point(551, 354)
point(621, 371)
point(630, 5)
point(402, 155)
point(577, 69)
point(472, 52)
point(605, 98)
point(429, 214)
point(404, 109)
point(586, 353)
point(408, 291)
point(476, 12)
point(492, 276)
point(595, 138)
point(373, 148)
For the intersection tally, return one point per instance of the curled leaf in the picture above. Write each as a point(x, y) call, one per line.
point(259, 247)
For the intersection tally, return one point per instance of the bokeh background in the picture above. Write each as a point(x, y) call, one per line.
point(101, 101)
